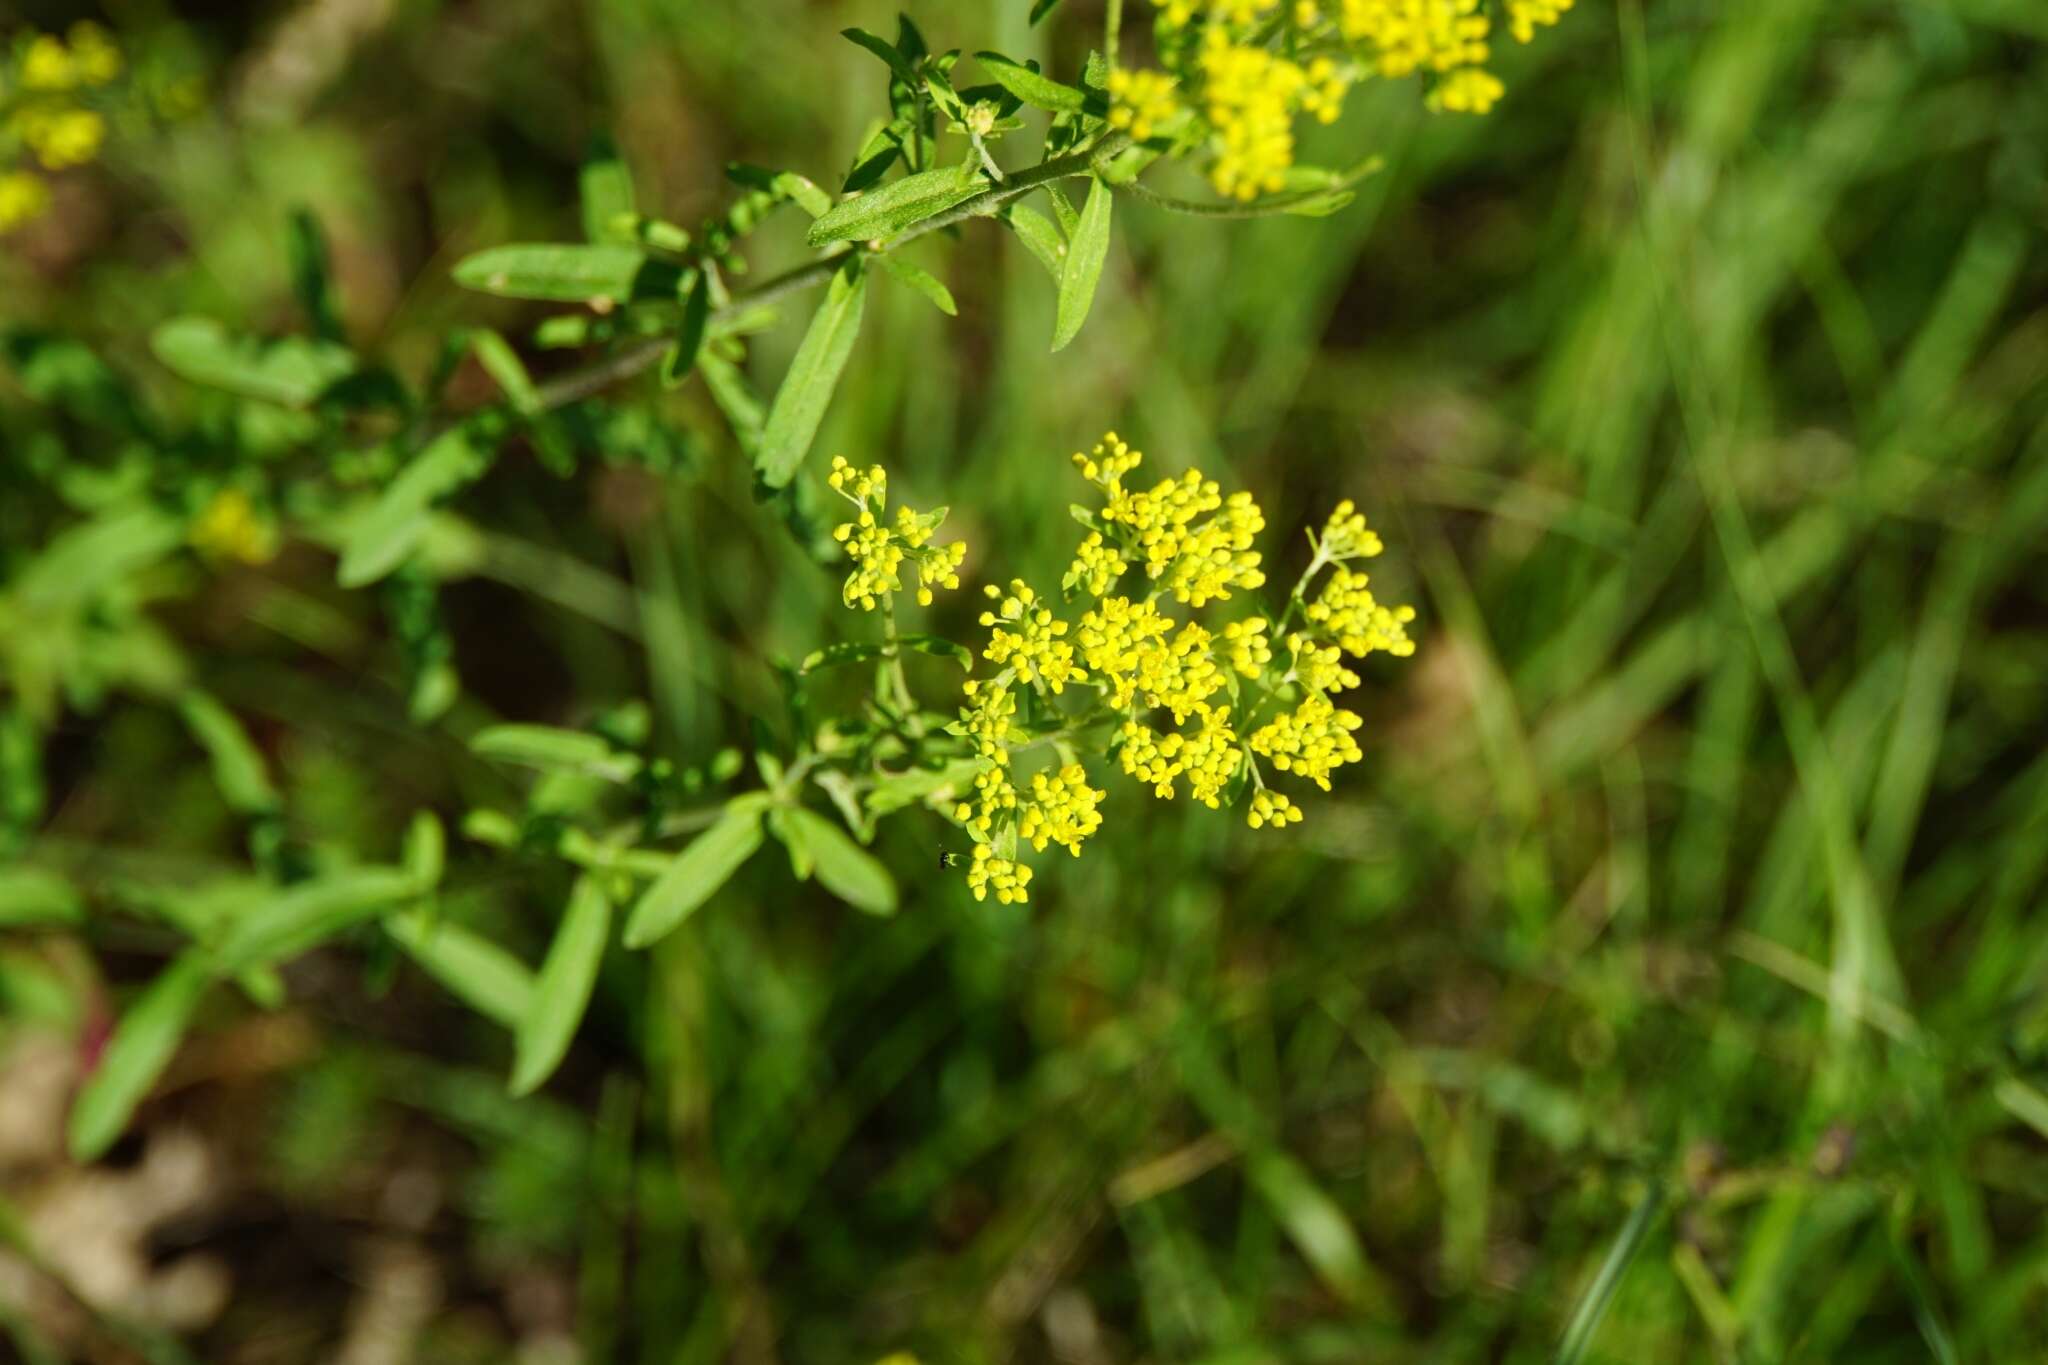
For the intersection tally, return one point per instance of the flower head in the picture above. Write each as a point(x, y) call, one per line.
point(1310, 741)
point(878, 549)
point(1141, 101)
point(23, 198)
point(1007, 878)
point(1347, 612)
point(229, 527)
point(1061, 810)
point(1026, 635)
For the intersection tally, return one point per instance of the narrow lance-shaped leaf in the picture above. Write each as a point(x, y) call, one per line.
point(238, 768)
point(807, 389)
point(389, 531)
point(924, 282)
point(1039, 237)
point(884, 212)
point(848, 871)
point(606, 188)
point(681, 357)
point(567, 273)
point(473, 969)
point(31, 897)
point(141, 1047)
point(292, 371)
point(562, 992)
point(550, 749)
point(307, 915)
point(1030, 86)
point(503, 365)
point(1083, 266)
point(697, 873)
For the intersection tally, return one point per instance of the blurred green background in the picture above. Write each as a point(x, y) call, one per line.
point(1681, 935)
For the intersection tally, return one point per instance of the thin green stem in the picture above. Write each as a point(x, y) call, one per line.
point(1113, 25)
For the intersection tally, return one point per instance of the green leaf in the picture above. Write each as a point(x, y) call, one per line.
point(848, 871)
point(1599, 1294)
point(1039, 237)
point(884, 212)
point(606, 188)
point(293, 371)
point(696, 874)
point(845, 652)
point(553, 750)
point(1315, 1224)
point(562, 991)
point(238, 767)
point(938, 646)
point(1028, 85)
point(425, 854)
point(32, 898)
point(568, 273)
point(312, 280)
point(1063, 211)
point(681, 357)
point(1083, 267)
point(393, 526)
point(1321, 205)
point(803, 192)
point(736, 399)
point(898, 790)
point(1041, 8)
point(141, 1047)
point(504, 366)
point(807, 389)
point(306, 915)
point(898, 63)
point(924, 282)
point(473, 969)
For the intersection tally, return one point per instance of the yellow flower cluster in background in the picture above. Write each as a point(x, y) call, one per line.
point(1179, 705)
point(45, 116)
point(230, 527)
point(878, 549)
point(1251, 67)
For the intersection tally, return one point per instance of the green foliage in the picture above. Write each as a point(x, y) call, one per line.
point(1667, 984)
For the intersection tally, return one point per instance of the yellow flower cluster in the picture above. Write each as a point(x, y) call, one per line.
point(1178, 13)
point(878, 550)
point(1250, 96)
point(229, 527)
point(1310, 741)
point(1062, 810)
point(1197, 560)
point(1417, 35)
point(1347, 612)
point(1034, 648)
point(1141, 101)
point(1175, 689)
point(56, 130)
point(1526, 16)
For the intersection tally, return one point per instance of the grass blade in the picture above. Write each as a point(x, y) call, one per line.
point(1599, 1295)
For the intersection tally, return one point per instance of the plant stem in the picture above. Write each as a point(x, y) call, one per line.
point(1113, 30)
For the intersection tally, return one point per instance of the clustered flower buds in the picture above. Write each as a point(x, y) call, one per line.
point(1238, 72)
point(1180, 702)
point(878, 549)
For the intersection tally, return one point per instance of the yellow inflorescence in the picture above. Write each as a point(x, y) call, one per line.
point(1526, 16)
point(49, 123)
point(1188, 701)
point(1272, 808)
point(1469, 91)
point(1311, 741)
point(1347, 612)
point(229, 527)
point(1250, 96)
point(1417, 35)
point(1004, 876)
point(1034, 648)
point(1141, 101)
point(23, 197)
point(1061, 810)
point(879, 550)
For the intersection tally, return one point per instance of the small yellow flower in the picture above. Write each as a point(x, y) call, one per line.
point(1008, 879)
point(1271, 808)
point(61, 137)
point(1347, 612)
point(1211, 756)
point(1346, 536)
point(1310, 741)
point(1097, 566)
point(1250, 97)
point(47, 65)
point(23, 198)
point(1526, 16)
point(878, 551)
point(1321, 667)
point(1469, 91)
point(1062, 810)
point(1417, 35)
point(1034, 647)
point(1249, 649)
point(1141, 101)
point(229, 527)
point(98, 61)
